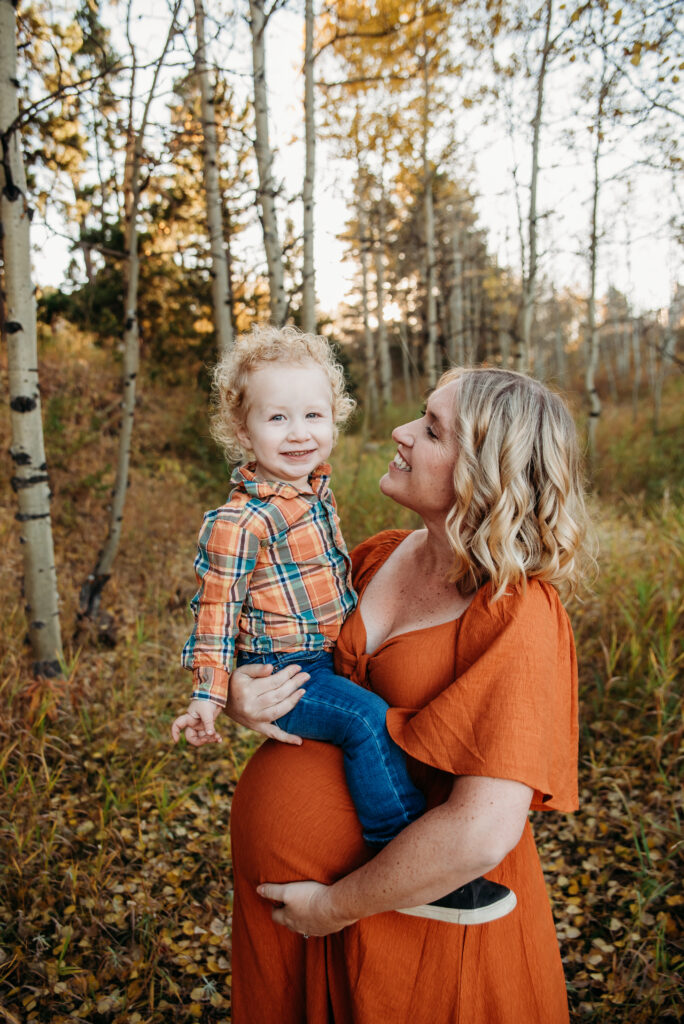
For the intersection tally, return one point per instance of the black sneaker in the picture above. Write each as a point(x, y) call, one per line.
point(475, 903)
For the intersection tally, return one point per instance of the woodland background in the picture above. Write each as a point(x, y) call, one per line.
point(150, 148)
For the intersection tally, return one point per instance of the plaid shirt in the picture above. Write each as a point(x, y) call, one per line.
point(274, 575)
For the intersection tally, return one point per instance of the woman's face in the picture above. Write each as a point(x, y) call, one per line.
point(420, 476)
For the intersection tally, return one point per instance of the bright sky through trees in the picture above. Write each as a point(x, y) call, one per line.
point(640, 256)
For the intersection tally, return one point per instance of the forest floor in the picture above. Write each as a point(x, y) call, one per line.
point(115, 878)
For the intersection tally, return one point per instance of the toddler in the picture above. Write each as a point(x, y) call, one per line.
point(275, 583)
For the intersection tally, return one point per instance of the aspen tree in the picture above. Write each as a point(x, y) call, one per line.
point(675, 316)
point(593, 334)
point(309, 270)
point(406, 373)
point(523, 356)
point(369, 343)
point(91, 591)
point(635, 332)
point(384, 360)
point(264, 157)
point(455, 344)
point(220, 282)
point(431, 305)
point(27, 451)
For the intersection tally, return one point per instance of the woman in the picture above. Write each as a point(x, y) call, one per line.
point(460, 629)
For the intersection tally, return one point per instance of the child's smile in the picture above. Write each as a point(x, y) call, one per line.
point(289, 423)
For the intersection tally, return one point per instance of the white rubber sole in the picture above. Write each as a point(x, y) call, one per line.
point(451, 915)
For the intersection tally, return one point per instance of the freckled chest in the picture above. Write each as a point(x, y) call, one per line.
point(402, 597)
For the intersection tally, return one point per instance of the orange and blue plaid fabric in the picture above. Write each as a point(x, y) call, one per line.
point(273, 573)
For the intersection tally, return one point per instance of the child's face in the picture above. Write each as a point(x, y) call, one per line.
point(289, 423)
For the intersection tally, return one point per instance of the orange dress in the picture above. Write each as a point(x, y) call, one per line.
point(490, 694)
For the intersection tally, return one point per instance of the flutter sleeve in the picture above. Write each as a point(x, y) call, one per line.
point(511, 713)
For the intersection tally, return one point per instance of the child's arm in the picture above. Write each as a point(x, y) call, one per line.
point(226, 558)
point(197, 722)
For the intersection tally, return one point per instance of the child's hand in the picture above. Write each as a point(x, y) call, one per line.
point(197, 723)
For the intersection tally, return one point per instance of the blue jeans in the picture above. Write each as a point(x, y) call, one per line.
point(335, 710)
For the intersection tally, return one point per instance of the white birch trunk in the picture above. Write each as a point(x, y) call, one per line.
point(264, 158)
point(406, 360)
point(429, 215)
point(309, 273)
point(27, 451)
point(666, 357)
point(476, 306)
point(636, 367)
point(383, 345)
point(385, 363)
point(91, 591)
point(609, 361)
point(369, 346)
point(456, 348)
point(560, 354)
point(469, 317)
point(592, 327)
point(504, 347)
point(524, 353)
point(220, 283)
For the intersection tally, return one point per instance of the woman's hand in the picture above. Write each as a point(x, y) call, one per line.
point(257, 696)
point(303, 907)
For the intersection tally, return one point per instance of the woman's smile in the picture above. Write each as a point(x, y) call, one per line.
point(400, 463)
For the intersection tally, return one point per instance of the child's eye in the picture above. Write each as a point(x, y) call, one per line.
point(277, 417)
point(313, 415)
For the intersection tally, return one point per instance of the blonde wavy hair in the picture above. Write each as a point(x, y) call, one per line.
point(267, 344)
point(519, 511)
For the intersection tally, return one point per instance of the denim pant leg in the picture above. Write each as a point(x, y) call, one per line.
point(338, 711)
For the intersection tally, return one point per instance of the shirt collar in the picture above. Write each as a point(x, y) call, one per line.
point(244, 477)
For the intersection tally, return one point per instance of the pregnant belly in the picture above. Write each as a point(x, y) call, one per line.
point(292, 816)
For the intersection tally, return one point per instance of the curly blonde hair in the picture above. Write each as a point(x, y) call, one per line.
point(267, 344)
point(519, 512)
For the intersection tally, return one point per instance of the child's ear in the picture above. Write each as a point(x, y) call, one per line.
point(244, 438)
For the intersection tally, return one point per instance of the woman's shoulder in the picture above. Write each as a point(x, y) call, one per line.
point(528, 599)
point(530, 615)
point(368, 556)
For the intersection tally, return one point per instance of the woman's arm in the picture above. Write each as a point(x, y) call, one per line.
point(448, 846)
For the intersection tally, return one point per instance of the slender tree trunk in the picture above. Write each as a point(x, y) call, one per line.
point(592, 326)
point(674, 314)
point(560, 352)
point(91, 591)
point(27, 451)
point(504, 347)
point(609, 361)
point(220, 288)
point(455, 349)
point(385, 363)
point(636, 369)
point(406, 360)
point(476, 306)
point(429, 215)
point(524, 353)
point(369, 346)
point(264, 158)
point(309, 273)
point(623, 361)
point(468, 316)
